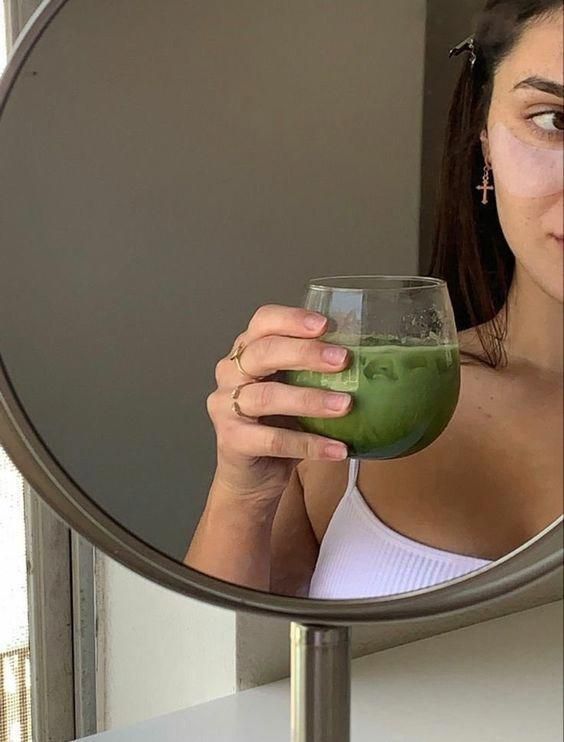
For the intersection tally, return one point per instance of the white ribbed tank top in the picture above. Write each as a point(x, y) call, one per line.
point(362, 557)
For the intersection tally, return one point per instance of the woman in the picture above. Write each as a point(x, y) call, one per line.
point(286, 512)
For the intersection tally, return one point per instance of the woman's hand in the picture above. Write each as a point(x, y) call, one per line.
point(254, 455)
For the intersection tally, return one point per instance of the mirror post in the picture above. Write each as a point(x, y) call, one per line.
point(321, 683)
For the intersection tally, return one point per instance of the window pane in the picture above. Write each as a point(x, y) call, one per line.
point(15, 707)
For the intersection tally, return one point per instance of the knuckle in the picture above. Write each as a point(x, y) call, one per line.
point(217, 407)
point(311, 400)
point(318, 347)
point(313, 448)
point(212, 405)
point(241, 338)
point(275, 442)
point(265, 396)
point(308, 352)
point(219, 370)
point(266, 347)
point(267, 309)
point(261, 314)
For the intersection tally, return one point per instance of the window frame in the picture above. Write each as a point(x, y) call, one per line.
point(62, 625)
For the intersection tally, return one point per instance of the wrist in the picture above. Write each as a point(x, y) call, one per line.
point(232, 504)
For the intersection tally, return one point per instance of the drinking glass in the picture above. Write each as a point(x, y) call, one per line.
point(404, 371)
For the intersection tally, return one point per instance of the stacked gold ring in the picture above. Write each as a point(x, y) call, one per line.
point(236, 356)
point(235, 406)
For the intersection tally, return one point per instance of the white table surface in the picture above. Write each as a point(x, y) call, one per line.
point(500, 681)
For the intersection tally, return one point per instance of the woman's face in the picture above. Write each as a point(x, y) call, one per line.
point(524, 144)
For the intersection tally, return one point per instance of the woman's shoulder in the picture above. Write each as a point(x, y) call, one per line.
point(479, 346)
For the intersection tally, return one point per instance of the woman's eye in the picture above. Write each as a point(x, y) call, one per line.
point(550, 121)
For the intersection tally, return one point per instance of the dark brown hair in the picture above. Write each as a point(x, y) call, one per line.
point(470, 250)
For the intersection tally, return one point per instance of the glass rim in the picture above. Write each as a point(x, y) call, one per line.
point(423, 283)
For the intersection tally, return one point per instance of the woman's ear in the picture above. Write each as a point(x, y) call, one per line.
point(486, 147)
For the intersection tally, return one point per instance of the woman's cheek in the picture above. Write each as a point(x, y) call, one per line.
point(523, 221)
point(520, 220)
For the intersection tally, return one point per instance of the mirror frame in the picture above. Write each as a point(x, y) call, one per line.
point(533, 561)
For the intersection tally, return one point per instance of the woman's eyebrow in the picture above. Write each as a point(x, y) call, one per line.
point(545, 86)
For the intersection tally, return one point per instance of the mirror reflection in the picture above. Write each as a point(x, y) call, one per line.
point(283, 295)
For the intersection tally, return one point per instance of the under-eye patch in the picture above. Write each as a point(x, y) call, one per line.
point(525, 169)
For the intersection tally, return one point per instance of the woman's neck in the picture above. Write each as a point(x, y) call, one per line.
point(534, 325)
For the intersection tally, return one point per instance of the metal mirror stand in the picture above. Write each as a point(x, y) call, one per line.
point(320, 683)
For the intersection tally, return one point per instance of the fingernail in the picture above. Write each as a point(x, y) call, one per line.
point(334, 355)
point(337, 401)
point(314, 321)
point(335, 451)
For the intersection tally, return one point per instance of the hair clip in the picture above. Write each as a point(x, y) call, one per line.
point(468, 45)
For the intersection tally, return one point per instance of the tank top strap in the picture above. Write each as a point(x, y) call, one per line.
point(353, 473)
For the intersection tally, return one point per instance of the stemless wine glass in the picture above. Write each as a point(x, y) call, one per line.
point(404, 373)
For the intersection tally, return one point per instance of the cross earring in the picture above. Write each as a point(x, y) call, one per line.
point(485, 187)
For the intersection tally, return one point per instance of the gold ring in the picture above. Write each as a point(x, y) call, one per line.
point(236, 356)
point(235, 395)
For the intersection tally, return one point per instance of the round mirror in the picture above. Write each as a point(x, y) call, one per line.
point(175, 176)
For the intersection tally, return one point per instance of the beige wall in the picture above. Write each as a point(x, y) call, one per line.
point(444, 30)
point(157, 651)
point(172, 166)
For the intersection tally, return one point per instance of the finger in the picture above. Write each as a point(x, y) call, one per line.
point(272, 398)
point(262, 440)
point(274, 353)
point(276, 319)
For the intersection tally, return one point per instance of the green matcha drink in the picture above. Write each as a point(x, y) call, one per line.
point(404, 395)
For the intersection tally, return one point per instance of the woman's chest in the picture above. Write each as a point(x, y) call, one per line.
point(492, 481)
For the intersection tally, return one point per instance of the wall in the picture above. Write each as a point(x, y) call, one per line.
point(174, 188)
point(157, 651)
point(444, 30)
